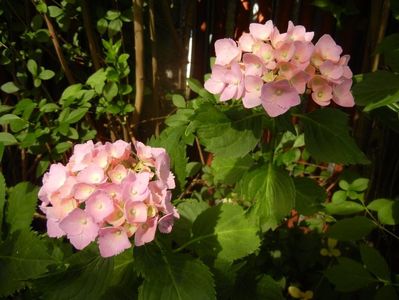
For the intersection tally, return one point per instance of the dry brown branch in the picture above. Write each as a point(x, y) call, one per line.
point(95, 56)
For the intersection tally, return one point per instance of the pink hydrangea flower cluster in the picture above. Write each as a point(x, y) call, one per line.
point(272, 69)
point(109, 193)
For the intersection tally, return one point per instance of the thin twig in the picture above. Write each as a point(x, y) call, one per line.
point(200, 151)
point(90, 35)
point(58, 50)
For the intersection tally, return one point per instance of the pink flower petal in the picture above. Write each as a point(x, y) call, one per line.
point(53, 229)
point(253, 64)
point(246, 42)
point(119, 149)
point(146, 232)
point(117, 173)
point(99, 206)
point(83, 191)
point(226, 52)
point(135, 186)
point(285, 52)
point(113, 241)
point(328, 49)
point(278, 97)
point(136, 212)
point(93, 174)
point(165, 224)
point(261, 31)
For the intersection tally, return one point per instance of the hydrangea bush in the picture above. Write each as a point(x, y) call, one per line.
point(109, 193)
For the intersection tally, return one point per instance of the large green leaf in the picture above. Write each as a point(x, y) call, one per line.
point(22, 203)
point(375, 263)
point(87, 276)
point(272, 189)
point(376, 89)
point(348, 275)
point(351, 228)
point(327, 137)
point(387, 210)
point(7, 139)
point(309, 196)
point(23, 256)
point(230, 134)
point(172, 140)
point(229, 170)
point(224, 232)
point(170, 276)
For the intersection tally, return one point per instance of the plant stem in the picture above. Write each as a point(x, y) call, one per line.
point(58, 50)
point(90, 35)
point(139, 58)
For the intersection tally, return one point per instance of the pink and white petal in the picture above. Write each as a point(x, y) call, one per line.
point(261, 31)
point(136, 212)
point(74, 222)
point(83, 191)
point(146, 232)
point(165, 224)
point(113, 241)
point(251, 99)
point(246, 42)
point(99, 206)
point(93, 174)
point(53, 229)
point(228, 93)
point(346, 100)
point(226, 52)
point(214, 86)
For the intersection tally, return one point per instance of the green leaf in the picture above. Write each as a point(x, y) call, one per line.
point(49, 107)
point(7, 139)
point(376, 89)
point(22, 203)
point(23, 256)
point(110, 90)
point(387, 211)
point(359, 185)
point(9, 87)
point(71, 92)
point(2, 198)
point(62, 147)
point(272, 189)
point(42, 167)
point(233, 135)
point(351, 228)
point(268, 288)
point(102, 25)
point(196, 87)
point(114, 27)
point(16, 123)
point(375, 263)
point(309, 196)
point(229, 170)
point(112, 14)
point(217, 230)
point(327, 137)
point(46, 74)
point(170, 276)
point(389, 47)
point(87, 277)
point(171, 140)
point(343, 208)
point(386, 292)
point(32, 67)
point(193, 168)
point(348, 275)
point(97, 80)
point(54, 11)
point(76, 115)
point(179, 101)
point(339, 197)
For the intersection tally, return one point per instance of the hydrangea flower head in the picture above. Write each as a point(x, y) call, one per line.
point(265, 62)
point(109, 194)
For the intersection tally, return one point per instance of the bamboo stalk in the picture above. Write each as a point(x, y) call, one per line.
point(139, 57)
point(90, 35)
point(58, 50)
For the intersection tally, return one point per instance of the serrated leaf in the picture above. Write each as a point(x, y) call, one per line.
point(23, 256)
point(230, 135)
point(327, 137)
point(22, 203)
point(87, 277)
point(229, 170)
point(171, 140)
point(376, 89)
point(308, 196)
point(343, 208)
point(189, 210)
point(351, 228)
point(273, 192)
point(2, 198)
point(9, 87)
point(170, 276)
point(348, 275)
point(375, 263)
point(217, 230)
